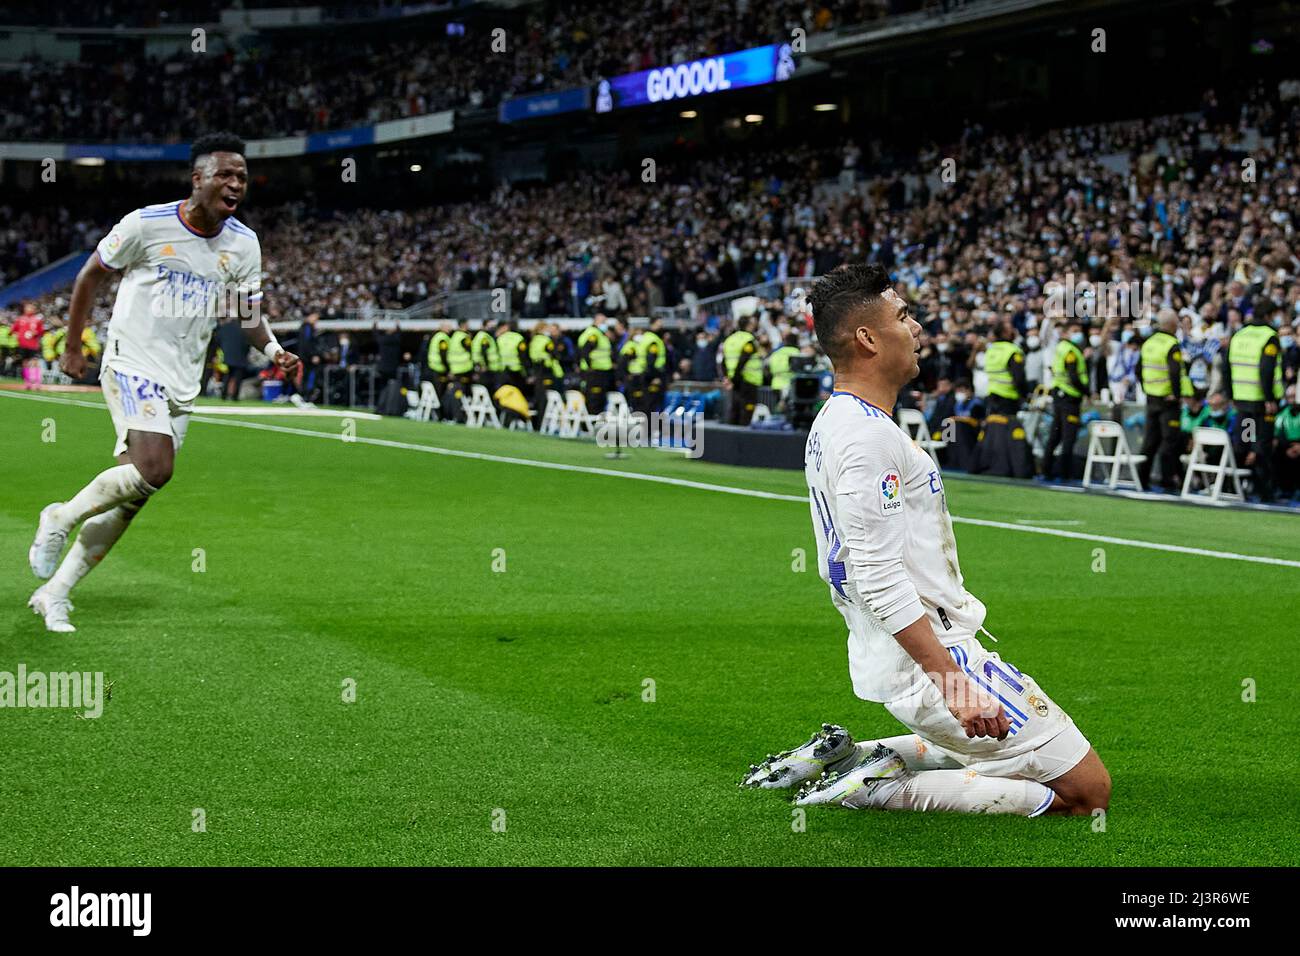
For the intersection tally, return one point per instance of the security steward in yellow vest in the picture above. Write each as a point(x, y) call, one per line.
point(1069, 385)
point(1255, 371)
point(655, 353)
point(460, 365)
point(778, 366)
point(439, 344)
point(596, 361)
point(487, 359)
point(1004, 363)
point(1003, 449)
point(631, 370)
point(54, 342)
point(744, 369)
point(1166, 383)
point(513, 349)
point(547, 373)
point(8, 343)
point(778, 363)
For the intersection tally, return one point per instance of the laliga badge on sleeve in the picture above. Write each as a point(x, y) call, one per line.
point(890, 486)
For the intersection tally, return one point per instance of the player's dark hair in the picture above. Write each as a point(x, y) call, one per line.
point(839, 294)
point(215, 143)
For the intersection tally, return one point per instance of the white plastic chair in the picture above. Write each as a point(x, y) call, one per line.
point(479, 410)
point(577, 420)
point(917, 428)
point(553, 416)
point(425, 407)
point(1198, 463)
point(616, 408)
point(1114, 460)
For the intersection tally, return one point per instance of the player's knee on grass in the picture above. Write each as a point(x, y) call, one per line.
point(1084, 789)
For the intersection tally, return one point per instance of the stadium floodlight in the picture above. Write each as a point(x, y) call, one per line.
point(688, 114)
point(88, 161)
point(825, 107)
point(753, 117)
point(416, 167)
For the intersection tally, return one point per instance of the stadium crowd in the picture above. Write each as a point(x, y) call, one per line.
point(285, 85)
point(1137, 219)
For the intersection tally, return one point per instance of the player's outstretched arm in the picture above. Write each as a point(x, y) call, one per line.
point(84, 291)
point(979, 713)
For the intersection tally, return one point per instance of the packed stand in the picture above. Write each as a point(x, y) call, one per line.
point(286, 85)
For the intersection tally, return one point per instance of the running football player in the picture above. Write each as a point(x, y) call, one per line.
point(183, 265)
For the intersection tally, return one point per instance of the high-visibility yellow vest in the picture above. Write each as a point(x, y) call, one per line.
point(1155, 367)
point(7, 338)
point(647, 340)
point(459, 359)
point(508, 347)
point(435, 352)
point(733, 348)
point(52, 344)
point(540, 351)
point(483, 350)
point(1061, 374)
point(602, 354)
point(997, 364)
point(778, 363)
point(1245, 352)
point(89, 341)
point(635, 357)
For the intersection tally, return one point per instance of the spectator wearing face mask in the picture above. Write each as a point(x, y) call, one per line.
point(1123, 370)
point(1101, 345)
point(960, 426)
point(947, 361)
point(942, 405)
point(1035, 357)
point(1215, 412)
point(704, 359)
point(1290, 354)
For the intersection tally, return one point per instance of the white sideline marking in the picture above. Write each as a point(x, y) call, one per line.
point(686, 483)
point(282, 410)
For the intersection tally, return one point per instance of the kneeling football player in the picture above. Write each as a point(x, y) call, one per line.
point(984, 737)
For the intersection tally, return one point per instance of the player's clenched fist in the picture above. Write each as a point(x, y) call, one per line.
point(287, 361)
point(73, 363)
point(980, 715)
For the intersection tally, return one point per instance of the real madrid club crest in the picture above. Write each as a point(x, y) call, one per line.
point(1039, 705)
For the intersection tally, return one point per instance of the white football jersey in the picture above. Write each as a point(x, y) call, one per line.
point(884, 542)
point(176, 283)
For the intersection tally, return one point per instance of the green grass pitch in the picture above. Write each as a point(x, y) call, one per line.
point(480, 690)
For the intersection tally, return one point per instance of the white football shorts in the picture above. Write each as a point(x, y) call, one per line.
point(1043, 743)
point(138, 404)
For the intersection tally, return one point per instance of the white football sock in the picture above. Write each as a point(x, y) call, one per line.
point(960, 791)
point(112, 486)
point(98, 534)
